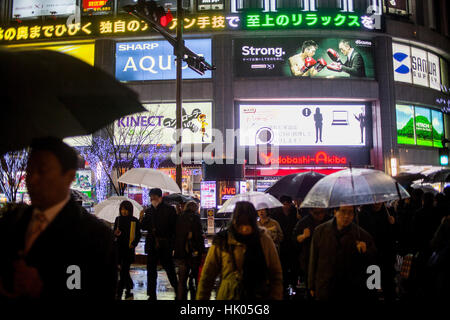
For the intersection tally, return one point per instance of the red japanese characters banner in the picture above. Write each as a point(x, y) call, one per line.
point(94, 4)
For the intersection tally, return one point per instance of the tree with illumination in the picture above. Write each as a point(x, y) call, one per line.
point(12, 172)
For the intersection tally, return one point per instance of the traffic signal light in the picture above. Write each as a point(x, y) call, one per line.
point(443, 156)
point(153, 11)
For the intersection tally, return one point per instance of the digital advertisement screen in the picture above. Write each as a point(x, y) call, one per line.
point(303, 124)
point(304, 57)
point(98, 6)
point(38, 8)
point(419, 126)
point(154, 60)
point(158, 125)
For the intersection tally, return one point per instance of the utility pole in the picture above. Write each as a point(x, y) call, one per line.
point(179, 53)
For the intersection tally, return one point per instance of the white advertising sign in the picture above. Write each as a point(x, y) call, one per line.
point(302, 125)
point(419, 66)
point(208, 194)
point(159, 124)
point(434, 72)
point(402, 62)
point(79, 141)
point(37, 8)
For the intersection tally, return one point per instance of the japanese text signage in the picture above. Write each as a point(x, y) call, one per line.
point(303, 124)
point(420, 67)
point(154, 60)
point(304, 57)
point(126, 25)
point(97, 5)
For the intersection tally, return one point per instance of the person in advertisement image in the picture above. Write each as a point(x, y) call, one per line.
point(303, 64)
point(354, 65)
point(318, 119)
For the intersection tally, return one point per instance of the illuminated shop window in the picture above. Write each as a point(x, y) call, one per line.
point(345, 5)
point(397, 7)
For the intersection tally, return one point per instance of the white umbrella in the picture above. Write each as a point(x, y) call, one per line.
point(150, 178)
point(109, 209)
point(353, 187)
point(260, 200)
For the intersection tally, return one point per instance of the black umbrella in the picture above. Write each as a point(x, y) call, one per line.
point(47, 93)
point(438, 176)
point(406, 179)
point(176, 198)
point(295, 185)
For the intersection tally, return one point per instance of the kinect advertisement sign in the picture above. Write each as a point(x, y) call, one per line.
point(304, 57)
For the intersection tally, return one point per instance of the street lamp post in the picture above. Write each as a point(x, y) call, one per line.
point(179, 53)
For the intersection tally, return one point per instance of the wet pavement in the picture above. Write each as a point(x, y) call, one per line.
point(164, 290)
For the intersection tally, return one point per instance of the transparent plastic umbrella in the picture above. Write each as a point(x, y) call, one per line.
point(150, 178)
point(109, 209)
point(353, 187)
point(260, 200)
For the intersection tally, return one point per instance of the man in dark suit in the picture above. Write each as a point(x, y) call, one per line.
point(160, 222)
point(355, 63)
point(55, 249)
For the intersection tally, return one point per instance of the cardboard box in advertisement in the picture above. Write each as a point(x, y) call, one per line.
point(304, 57)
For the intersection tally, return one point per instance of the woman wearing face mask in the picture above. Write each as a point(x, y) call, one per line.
point(128, 234)
point(246, 259)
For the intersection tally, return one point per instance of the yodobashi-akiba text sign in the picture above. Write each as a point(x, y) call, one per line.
point(303, 124)
point(154, 60)
point(304, 57)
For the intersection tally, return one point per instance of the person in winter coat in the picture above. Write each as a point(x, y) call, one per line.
point(127, 232)
point(440, 265)
point(303, 233)
point(272, 227)
point(160, 222)
point(377, 221)
point(189, 248)
point(340, 254)
point(287, 218)
point(246, 259)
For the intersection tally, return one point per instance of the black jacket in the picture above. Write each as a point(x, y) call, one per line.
point(355, 65)
point(336, 269)
point(160, 224)
point(125, 253)
point(74, 237)
point(189, 222)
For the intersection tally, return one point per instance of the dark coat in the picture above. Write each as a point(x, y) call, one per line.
point(189, 222)
point(355, 65)
point(160, 223)
point(74, 237)
point(336, 269)
point(125, 253)
point(303, 249)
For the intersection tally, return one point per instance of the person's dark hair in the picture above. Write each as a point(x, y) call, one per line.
point(156, 192)
point(441, 200)
point(428, 199)
point(345, 42)
point(66, 155)
point(309, 43)
point(245, 214)
point(284, 199)
point(191, 206)
point(128, 206)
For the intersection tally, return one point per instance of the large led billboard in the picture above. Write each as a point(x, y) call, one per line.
point(303, 124)
point(419, 126)
point(158, 125)
point(304, 57)
point(154, 60)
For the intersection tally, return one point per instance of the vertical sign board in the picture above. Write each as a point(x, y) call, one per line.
point(211, 228)
point(402, 62)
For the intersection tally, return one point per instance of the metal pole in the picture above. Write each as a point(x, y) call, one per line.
point(179, 115)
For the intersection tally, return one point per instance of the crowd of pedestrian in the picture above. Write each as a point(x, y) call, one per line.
point(54, 249)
